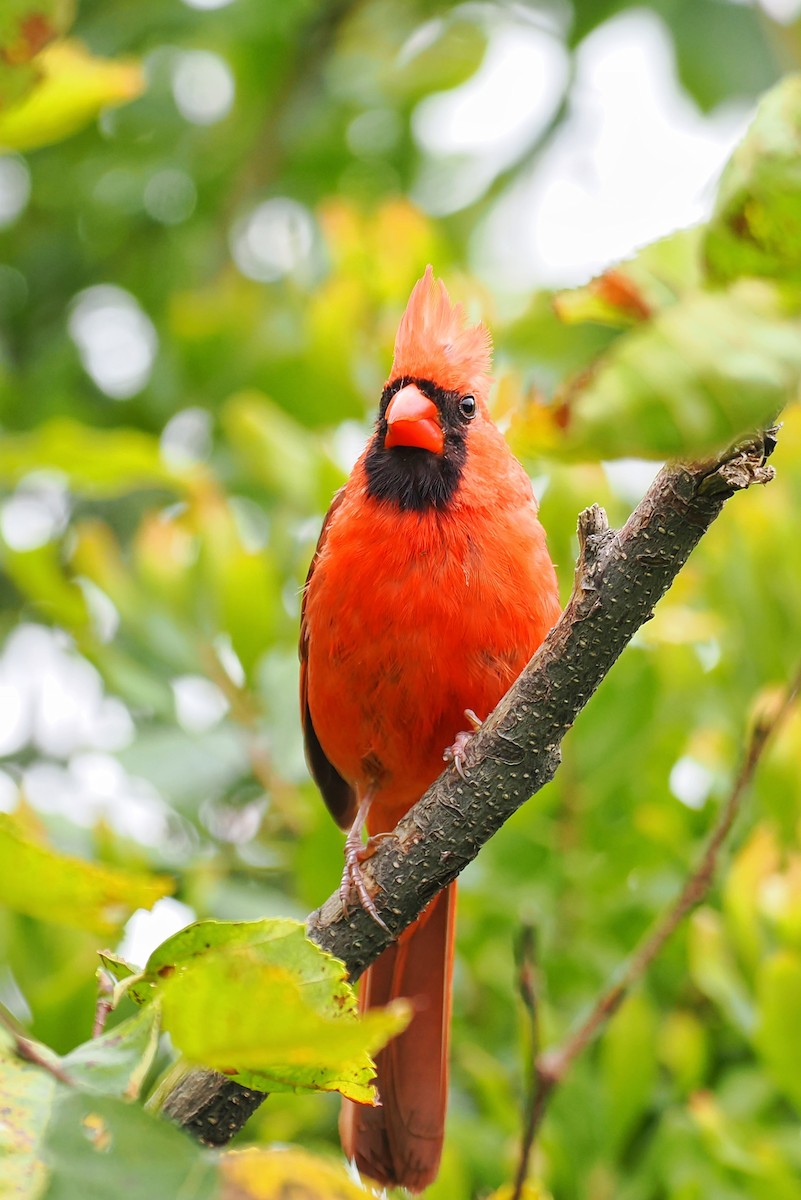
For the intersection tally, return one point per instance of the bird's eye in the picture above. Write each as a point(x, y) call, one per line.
point(467, 407)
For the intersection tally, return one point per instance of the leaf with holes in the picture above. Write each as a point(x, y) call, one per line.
point(257, 1000)
point(697, 376)
point(756, 226)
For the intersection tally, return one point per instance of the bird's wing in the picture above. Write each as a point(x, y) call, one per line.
point(338, 795)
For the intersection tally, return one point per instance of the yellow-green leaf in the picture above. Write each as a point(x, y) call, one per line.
point(26, 1098)
point(73, 90)
point(278, 1174)
point(39, 574)
point(97, 462)
point(43, 883)
point(714, 971)
point(26, 27)
point(683, 1047)
point(530, 1191)
point(259, 1001)
point(757, 860)
point(779, 993)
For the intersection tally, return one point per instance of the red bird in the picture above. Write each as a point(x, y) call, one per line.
point(430, 590)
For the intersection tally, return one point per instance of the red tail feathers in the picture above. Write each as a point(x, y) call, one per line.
point(400, 1142)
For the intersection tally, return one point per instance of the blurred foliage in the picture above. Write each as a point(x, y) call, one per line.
point(55, 887)
point(198, 295)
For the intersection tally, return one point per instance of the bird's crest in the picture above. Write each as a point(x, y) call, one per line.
point(433, 343)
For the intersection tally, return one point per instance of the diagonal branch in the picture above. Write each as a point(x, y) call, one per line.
point(619, 578)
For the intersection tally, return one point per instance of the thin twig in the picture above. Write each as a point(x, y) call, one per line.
point(105, 1002)
point(551, 1066)
point(527, 985)
point(31, 1051)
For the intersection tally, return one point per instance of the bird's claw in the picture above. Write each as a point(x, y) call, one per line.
point(353, 879)
point(457, 753)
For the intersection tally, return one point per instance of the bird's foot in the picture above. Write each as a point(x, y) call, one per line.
point(457, 753)
point(357, 852)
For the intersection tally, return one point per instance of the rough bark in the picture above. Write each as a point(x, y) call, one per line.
point(620, 576)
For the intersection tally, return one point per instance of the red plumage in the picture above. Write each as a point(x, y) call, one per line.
point(430, 590)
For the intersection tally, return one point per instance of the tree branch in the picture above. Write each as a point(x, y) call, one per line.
point(619, 578)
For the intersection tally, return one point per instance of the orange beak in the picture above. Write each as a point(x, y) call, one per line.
point(412, 420)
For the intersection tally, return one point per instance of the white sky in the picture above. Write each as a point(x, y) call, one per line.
point(635, 158)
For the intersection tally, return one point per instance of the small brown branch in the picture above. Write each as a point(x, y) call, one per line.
point(620, 576)
point(32, 1051)
point(105, 1002)
point(551, 1067)
point(527, 986)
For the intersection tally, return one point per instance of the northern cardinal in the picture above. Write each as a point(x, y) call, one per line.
point(430, 590)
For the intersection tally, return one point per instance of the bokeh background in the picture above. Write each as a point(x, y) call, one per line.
point(198, 296)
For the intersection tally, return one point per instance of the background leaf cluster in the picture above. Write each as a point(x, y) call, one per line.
point(262, 261)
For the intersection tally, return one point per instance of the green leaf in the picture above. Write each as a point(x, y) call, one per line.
point(683, 1046)
point(233, 575)
point(57, 1144)
point(116, 1062)
point(634, 289)
point(121, 972)
point(757, 860)
point(73, 89)
point(779, 994)
point(209, 1011)
point(714, 971)
point(42, 883)
point(98, 463)
point(756, 226)
point(723, 1138)
point(39, 574)
point(744, 62)
point(113, 1064)
point(120, 968)
point(451, 56)
point(97, 1147)
point(26, 1097)
point(628, 1062)
point(276, 449)
point(700, 374)
point(217, 980)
